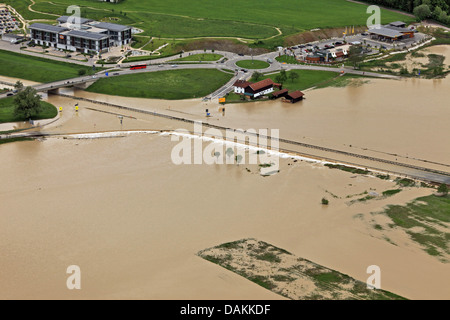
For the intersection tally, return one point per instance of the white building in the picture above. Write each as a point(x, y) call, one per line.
point(85, 35)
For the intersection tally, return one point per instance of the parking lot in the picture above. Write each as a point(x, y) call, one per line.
point(8, 23)
point(364, 39)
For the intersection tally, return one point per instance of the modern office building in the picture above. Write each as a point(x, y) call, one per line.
point(81, 35)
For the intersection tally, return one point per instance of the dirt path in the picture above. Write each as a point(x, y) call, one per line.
point(32, 10)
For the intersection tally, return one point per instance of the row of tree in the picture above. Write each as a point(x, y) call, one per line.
point(280, 78)
point(438, 10)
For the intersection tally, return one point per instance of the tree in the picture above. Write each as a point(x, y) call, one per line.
point(293, 76)
point(81, 72)
point(27, 103)
point(325, 201)
point(282, 77)
point(256, 76)
point(18, 86)
point(444, 18)
point(355, 56)
point(279, 79)
point(422, 12)
point(437, 12)
point(443, 189)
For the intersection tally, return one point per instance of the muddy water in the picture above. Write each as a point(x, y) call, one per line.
point(133, 221)
point(396, 120)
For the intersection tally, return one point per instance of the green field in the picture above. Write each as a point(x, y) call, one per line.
point(7, 111)
point(252, 64)
point(37, 69)
point(306, 78)
point(424, 220)
point(201, 57)
point(173, 84)
point(255, 19)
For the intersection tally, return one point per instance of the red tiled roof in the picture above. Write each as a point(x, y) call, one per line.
point(279, 93)
point(261, 84)
point(296, 94)
point(242, 84)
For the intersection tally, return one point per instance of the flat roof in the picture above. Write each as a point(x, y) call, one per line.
point(87, 35)
point(47, 27)
point(386, 32)
point(399, 29)
point(64, 19)
point(397, 23)
point(12, 35)
point(111, 26)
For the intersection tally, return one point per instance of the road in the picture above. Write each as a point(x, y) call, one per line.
point(163, 64)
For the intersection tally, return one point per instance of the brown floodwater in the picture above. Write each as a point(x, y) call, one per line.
point(133, 221)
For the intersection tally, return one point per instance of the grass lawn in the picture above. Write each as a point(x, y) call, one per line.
point(7, 111)
point(233, 18)
point(306, 78)
point(173, 84)
point(431, 214)
point(201, 57)
point(3, 141)
point(287, 59)
point(255, 64)
point(37, 69)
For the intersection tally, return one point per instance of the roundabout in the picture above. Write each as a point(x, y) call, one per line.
point(252, 64)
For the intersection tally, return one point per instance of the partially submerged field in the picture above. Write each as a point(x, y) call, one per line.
point(292, 277)
point(37, 69)
point(135, 223)
point(172, 84)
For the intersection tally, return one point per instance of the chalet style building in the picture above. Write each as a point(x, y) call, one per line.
point(255, 90)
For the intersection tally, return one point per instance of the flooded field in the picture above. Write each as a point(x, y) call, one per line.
point(133, 221)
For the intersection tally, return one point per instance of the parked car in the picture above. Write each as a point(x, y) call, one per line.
point(9, 94)
point(115, 74)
